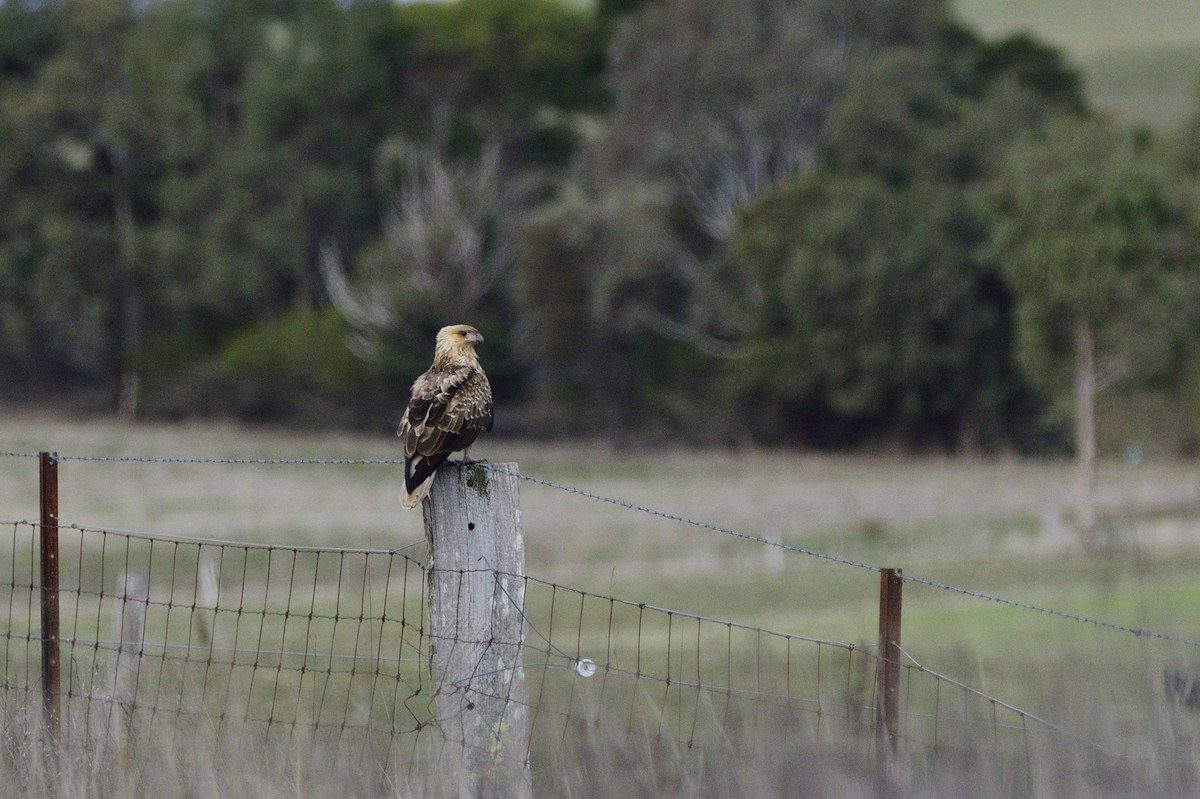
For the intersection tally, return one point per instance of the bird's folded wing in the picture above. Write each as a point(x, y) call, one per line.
point(436, 410)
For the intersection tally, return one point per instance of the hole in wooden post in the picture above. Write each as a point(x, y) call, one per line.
point(470, 525)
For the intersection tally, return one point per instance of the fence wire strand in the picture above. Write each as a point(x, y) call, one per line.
point(1140, 632)
point(329, 646)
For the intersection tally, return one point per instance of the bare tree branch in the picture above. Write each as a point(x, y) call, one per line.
point(447, 245)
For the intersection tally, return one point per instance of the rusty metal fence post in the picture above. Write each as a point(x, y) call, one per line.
point(48, 492)
point(887, 694)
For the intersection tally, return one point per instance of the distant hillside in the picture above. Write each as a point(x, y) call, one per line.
point(1140, 58)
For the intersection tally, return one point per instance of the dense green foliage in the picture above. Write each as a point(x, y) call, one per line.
point(821, 223)
point(1089, 236)
point(879, 314)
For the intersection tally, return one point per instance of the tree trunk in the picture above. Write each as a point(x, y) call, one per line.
point(1085, 428)
point(127, 300)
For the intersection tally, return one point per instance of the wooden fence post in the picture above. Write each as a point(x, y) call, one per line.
point(48, 557)
point(476, 629)
point(887, 692)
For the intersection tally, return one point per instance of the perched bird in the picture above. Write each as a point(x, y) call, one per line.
point(450, 404)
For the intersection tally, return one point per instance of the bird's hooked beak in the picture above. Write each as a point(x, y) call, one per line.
point(475, 337)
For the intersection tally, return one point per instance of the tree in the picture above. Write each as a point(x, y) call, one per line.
point(280, 110)
point(445, 247)
point(593, 277)
point(713, 104)
point(78, 200)
point(496, 93)
point(875, 314)
point(876, 320)
point(721, 99)
point(28, 39)
point(1082, 224)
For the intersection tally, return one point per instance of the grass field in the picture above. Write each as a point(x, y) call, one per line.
point(995, 526)
point(1140, 59)
point(999, 527)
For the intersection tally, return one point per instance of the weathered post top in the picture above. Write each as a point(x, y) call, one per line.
point(473, 512)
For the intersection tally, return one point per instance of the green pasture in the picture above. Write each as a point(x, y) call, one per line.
point(997, 526)
point(1140, 60)
point(651, 599)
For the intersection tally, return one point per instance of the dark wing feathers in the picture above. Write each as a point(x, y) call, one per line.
point(449, 407)
point(419, 468)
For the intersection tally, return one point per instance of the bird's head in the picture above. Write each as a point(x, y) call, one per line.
point(458, 340)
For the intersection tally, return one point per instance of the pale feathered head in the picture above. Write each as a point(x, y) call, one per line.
point(457, 341)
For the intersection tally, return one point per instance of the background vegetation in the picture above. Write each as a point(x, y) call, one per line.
point(826, 224)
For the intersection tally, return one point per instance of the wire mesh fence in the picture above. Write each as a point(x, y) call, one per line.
point(330, 645)
point(275, 639)
point(167, 642)
point(316, 663)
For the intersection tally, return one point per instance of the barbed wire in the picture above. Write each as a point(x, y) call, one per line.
point(674, 517)
point(1139, 632)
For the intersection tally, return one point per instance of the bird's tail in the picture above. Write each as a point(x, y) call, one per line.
point(419, 472)
point(411, 499)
